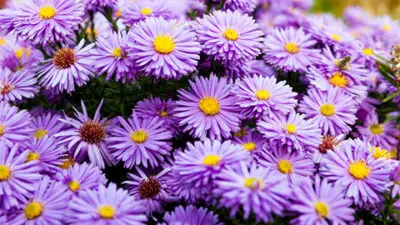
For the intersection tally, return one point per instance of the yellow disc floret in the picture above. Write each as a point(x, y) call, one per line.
point(285, 166)
point(376, 129)
point(2, 129)
point(321, 208)
point(231, 34)
point(249, 146)
point(32, 156)
point(47, 12)
point(359, 169)
point(146, 11)
point(74, 185)
point(292, 47)
point(118, 53)
point(211, 160)
point(327, 110)
point(107, 212)
point(291, 128)
point(33, 210)
point(209, 106)
point(40, 133)
point(4, 173)
point(338, 79)
point(164, 44)
point(368, 51)
point(263, 95)
point(336, 37)
point(139, 136)
point(252, 182)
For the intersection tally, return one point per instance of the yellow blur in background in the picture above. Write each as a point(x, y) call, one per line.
point(375, 7)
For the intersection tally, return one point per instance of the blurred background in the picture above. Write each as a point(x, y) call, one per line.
point(375, 7)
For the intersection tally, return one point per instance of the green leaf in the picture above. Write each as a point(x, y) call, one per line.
point(392, 96)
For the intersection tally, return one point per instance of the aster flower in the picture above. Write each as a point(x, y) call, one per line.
point(258, 96)
point(320, 203)
point(333, 111)
point(46, 124)
point(44, 205)
point(253, 189)
point(251, 141)
point(201, 163)
point(334, 33)
point(14, 125)
point(151, 191)
point(139, 141)
point(137, 11)
point(290, 49)
point(45, 21)
point(164, 49)
point(394, 182)
point(17, 178)
point(17, 86)
point(17, 56)
point(190, 215)
point(246, 6)
point(85, 137)
point(380, 134)
point(351, 167)
point(111, 57)
point(68, 68)
point(208, 109)
point(81, 177)
point(229, 36)
point(289, 166)
point(328, 144)
point(108, 205)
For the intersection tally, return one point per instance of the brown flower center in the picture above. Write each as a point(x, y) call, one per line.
point(149, 188)
point(6, 88)
point(64, 58)
point(92, 132)
point(3, 4)
point(328, 143)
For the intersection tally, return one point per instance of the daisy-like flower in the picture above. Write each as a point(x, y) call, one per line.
point(394, 182)
point(46, 124)
point(81, 177)
point(292, 132)
point(190, 215)
point(44, 205)
point(17, 56)
point(379, 134)
point(246, 6)
point(68, 68)
point(86, 137)
point(17, 178)
point(139, 141)
point(111, 57)
point(134, 12)
point(229, 36)
point(361, 175)
point(14, 125)
point(208, 108)
point(333, 111)
point(320, 203)
point(253, 189)
point(289, 166)
point(164, 49)
point(334, 33)
point(290, 49)
point(151, 191)
point(328, 144)
point(201, 163)
point(251, 141)
point(17, 86)
point(46, 21)
point(258, 96)
point(108, 205)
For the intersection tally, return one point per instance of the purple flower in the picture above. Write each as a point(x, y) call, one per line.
point(139, 141)
point(251, 141)
point(17, 178)
point(19, 56)
point(290, 49)
point(320, 203)
point(394, 183)
point(44, 205)
point(99, 4)
point(208, 108)
point(86, 137)
point(229, 36)
point(137, 11)
point(333, 111)
point(81, 177)
point(332, 32)
point(17, 86)
point(46, 125)
point(246, 6)
point(258, 96)
point(190, 215)
point(46, 21)
point(108, 205)
point(253, 189)
point(14, 125)
point(289, 166)
point(361, 175)
point(259, 67)
point(164, 49)
point(68, 68)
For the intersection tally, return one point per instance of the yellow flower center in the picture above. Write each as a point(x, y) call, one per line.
point(386, 27)
point(2, 129)
point(4, 173)
point(379, 153)
point(231, 34)
point(291, 128)
point(263, 95)
point(74, 185)
point(40, 133)
point(163, 113)
point(107, 212)
point(321, 208)
point(32, 156)
point(118, 53)
point(67, 163)
point(252, 182)
point(368, 51)
point(139, 136)
point(249, 146)
point(19, 53)
point(164, 44)
point(118, 13)
point(2, 41)
point(209, 106)
point(47, 12)
point(284, 166)
point(359, 169)
point(89, 32)
point(292, 47)
point(146, 11)
point(211, 160)
point(327, 110)
point(33, 210)
point(376, 129)
point(336, 37)
point(338, 79)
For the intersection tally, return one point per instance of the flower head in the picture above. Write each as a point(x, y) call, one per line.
point(251, 141)
point(46, 124)
point(137, 11)
point(17, 86)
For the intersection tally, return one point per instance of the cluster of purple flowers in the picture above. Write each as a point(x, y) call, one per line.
point(279, 118)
